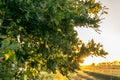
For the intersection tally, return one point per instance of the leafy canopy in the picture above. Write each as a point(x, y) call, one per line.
point(39, 35)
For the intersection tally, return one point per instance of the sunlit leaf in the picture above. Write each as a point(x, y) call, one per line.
point(7, 56)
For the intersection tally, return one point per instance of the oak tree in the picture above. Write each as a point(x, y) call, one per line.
point(39, 35)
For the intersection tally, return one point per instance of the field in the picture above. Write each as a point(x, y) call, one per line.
point(107, 70)
point(86, 73)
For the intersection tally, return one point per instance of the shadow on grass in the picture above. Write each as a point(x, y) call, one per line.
point(102, 76)
point(83, 77)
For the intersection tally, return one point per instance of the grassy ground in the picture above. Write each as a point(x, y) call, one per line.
point(107, 70)
point(81, 75)
point(87, 73)
point(99, 76)
point(48, 76)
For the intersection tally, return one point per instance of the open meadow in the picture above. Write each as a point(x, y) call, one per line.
point(88, 73)
point(108, 70)
point(103, 72)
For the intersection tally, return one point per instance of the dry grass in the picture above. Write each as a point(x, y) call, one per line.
point(48, 76)
point(107, 70)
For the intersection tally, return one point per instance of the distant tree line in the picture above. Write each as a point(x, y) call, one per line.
point(114, 63)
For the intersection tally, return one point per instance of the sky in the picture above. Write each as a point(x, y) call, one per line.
point(110, 35)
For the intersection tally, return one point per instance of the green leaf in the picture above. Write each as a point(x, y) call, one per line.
point(1, 55)
point(12, 57)
point(5, 43)
point(56, 22)
point(14, 45)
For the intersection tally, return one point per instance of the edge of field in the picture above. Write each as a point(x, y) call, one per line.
point(102, 76)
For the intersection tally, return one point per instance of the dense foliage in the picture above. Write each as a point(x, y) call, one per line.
point(39, 35)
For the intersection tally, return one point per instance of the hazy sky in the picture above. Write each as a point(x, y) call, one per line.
point(110, 35)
